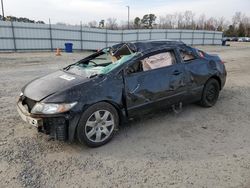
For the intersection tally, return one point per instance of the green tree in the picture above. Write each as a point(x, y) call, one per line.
point(231, 31)
point(40, 22)
point(101, 23)
point(22, 19)
point(144, 20)
point(152, 19)
point(148, 20)
point(137, 22)
point(241, 30)
point(219, 28)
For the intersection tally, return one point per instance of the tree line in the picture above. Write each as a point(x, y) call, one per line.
point(239, 26)
point(20, 19)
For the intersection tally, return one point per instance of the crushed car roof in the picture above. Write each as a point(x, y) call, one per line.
point(146, 45)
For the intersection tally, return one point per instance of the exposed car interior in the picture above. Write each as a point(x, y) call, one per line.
point(186, 56)
point(102, 62)
point(116, 55)
point(156, 61)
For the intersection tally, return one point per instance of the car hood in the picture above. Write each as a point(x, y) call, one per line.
point(50, 84)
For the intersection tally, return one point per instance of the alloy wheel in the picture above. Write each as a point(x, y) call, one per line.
point(99, 126)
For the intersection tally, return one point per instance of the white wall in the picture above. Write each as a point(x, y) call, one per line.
point(28, 36)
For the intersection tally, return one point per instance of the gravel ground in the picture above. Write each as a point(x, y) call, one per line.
point(200, 147)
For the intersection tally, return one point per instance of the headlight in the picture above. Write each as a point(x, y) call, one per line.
point(51, 108)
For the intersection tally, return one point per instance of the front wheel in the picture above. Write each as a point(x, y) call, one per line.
point(98, 124)
point(210, 93)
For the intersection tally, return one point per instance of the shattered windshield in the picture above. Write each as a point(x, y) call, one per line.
point(102, 63)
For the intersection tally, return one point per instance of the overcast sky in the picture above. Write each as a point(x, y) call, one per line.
point(74, 11)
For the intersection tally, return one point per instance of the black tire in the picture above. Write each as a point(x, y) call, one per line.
point(83, 128)
point(210, 93)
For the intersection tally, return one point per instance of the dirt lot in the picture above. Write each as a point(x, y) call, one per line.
point(197, 148)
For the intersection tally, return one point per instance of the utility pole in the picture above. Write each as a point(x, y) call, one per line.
point(2, 10)
point(128, 15)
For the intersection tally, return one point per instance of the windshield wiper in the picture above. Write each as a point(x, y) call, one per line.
point(94, 75)
point(68, 67)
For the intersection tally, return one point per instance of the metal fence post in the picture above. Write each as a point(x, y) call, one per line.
point(213, 37)
point(180, 35)
point(150, 34)
point(50, 34)
point(166, 34)
point(192, 43)
point(81, 35)
point(137, 35)
point(203, 39)
point(106, 38)
point(13, 35)
point(122, 35)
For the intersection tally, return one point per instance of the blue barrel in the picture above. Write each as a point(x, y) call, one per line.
point(68, 47)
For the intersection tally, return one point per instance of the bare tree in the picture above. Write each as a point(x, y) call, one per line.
point(246, 22)
point(188, 19)
point(221, 26)
point(170, 18)
point(237, 18)
point(211, 24)
point(175, 20)
point(180, 21)
point(162, 22)
point(92, 24)
point(201, 21)
point(166, 22)
point(239, 25)
point(111, 23)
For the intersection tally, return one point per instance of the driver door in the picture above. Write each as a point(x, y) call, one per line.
point(151, 89)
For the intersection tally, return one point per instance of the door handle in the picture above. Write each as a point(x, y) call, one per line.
point(176, 72)
point(134, 90)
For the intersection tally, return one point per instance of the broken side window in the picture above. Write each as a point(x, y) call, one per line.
point(123, 50)
point(151, 62)
point(186, 55)
point(157, 61)
point(112, 66)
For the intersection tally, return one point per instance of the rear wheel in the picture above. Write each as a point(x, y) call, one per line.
point(210, 93)
point(98, 124)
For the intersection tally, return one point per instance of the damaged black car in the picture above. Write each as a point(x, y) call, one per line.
point(89, 99)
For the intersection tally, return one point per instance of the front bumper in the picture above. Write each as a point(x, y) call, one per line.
point(26, 116)
point(56, 127)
